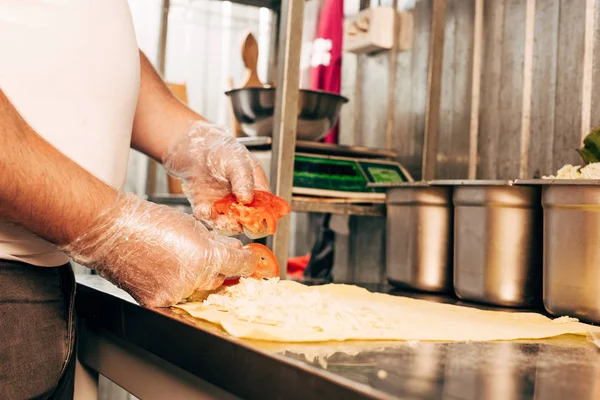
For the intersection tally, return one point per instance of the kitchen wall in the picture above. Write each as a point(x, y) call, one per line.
point(520, 88)
point(516, 94)
point(517, 91)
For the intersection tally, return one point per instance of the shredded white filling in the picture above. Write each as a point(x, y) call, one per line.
point(590, 171)
point(269, 302)
point(564, 320)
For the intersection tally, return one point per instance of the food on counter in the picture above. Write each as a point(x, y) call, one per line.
point(590, 171)
point(268, 267)
point(257, 217)
point(286, 311)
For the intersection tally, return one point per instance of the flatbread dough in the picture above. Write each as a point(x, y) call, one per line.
point(292, 312)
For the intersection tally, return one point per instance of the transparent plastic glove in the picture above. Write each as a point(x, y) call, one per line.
point(157, 254)
point(211, 164)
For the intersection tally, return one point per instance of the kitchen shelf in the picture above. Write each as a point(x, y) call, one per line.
point(320, 205)
point(299, 204)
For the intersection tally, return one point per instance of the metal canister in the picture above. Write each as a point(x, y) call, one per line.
point(498, 243)
point(572, 249)
point(419, 237)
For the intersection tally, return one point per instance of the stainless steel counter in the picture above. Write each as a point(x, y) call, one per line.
point(566, 367)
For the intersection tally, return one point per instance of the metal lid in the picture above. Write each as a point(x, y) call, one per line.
point(558, 182)
point(419, 193)
point(497, 196)
point(471, 182)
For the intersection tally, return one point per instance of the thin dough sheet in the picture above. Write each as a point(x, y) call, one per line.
point(416, 320)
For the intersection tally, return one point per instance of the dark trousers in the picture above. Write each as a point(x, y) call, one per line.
point(37, 331)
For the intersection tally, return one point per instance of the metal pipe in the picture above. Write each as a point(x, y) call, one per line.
point(286, 115)
point(162, 56)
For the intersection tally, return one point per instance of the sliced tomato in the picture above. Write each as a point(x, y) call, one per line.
point(267, 267)
point(259, 216)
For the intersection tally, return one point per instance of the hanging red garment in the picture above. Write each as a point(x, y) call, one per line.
point(296, 266)
point(326, 59)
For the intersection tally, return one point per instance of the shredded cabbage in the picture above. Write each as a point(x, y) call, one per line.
point(270, 302)
point(590, 171)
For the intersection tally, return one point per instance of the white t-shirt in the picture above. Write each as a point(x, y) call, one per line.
point(71, 68)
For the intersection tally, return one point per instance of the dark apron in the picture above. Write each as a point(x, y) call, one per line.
point(37, 331)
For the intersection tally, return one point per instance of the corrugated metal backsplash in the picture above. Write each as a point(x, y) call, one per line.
point(517, 92)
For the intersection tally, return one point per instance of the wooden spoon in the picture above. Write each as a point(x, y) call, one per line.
point(250, 58)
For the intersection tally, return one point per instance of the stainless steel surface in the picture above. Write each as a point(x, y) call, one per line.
point(317, 111)
point(141, 373)
point(291, 20)
point(572, 250)
point(556, 369)
point(498, 244)
point(264, 142)
point(419, 237)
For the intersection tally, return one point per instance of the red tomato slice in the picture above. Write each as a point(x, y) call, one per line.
point(267, 267)
point(260, 215)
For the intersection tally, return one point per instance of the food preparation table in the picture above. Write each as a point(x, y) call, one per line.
point(157, 354)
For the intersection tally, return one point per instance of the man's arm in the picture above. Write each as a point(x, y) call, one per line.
point(41, 189)
point(156, 253)
point(160, 117)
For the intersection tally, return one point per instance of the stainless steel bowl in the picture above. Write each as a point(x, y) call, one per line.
point(498, 243)
point(419, 237)
point(254, 109)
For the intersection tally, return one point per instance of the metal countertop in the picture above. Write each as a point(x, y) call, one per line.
point(560, 368)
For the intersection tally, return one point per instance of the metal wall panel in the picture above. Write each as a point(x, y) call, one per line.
point(489, 117)
point(455, 115)
point(373, 81)
point(595, 100)
point(510, 104)
point(569, 79)
point(411, 93)
point(543, 93)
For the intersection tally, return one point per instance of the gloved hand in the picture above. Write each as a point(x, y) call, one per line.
point(212, 164)
point(157, 254)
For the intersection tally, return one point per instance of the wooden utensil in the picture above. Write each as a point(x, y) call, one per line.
point(250, 58)
point(179, 90)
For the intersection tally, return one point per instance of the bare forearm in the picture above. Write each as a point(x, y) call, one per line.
point(160, 117)
point(42, 190)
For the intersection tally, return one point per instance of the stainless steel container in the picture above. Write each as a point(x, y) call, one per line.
point(572, 249)
point(419, 237)
point(498, 243)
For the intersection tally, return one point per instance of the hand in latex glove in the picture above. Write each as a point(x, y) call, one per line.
point(212, 164)
point(158, 254)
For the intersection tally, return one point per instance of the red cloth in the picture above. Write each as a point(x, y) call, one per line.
point(327, 53)
point(297, 265)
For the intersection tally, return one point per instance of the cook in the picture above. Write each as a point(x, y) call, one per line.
point(75, 94)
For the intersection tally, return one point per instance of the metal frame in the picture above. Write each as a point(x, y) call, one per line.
point(291, 22)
